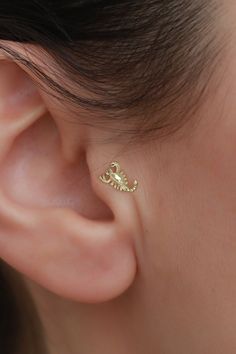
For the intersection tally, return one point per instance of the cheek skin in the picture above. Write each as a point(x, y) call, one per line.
point(191, 245)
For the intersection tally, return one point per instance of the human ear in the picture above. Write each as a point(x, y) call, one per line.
point(59, 225)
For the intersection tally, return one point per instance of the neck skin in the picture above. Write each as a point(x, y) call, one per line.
point(72, 328)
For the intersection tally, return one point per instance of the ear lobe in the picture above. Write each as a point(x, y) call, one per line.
point(74, 257)
point(97, 263)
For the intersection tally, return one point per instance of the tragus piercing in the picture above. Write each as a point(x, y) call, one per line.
point(117, 178)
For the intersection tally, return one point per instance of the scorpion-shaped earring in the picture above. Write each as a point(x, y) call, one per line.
point(117, 178)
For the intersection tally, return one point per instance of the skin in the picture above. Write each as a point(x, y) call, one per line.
point(110, 272)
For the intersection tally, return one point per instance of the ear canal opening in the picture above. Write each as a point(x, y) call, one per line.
point(35, 173)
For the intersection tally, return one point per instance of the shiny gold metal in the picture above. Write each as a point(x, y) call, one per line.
point(117, 178)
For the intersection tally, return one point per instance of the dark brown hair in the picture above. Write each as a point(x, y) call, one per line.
point(137, 60)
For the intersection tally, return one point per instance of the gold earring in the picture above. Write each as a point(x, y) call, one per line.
point(117, 178)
